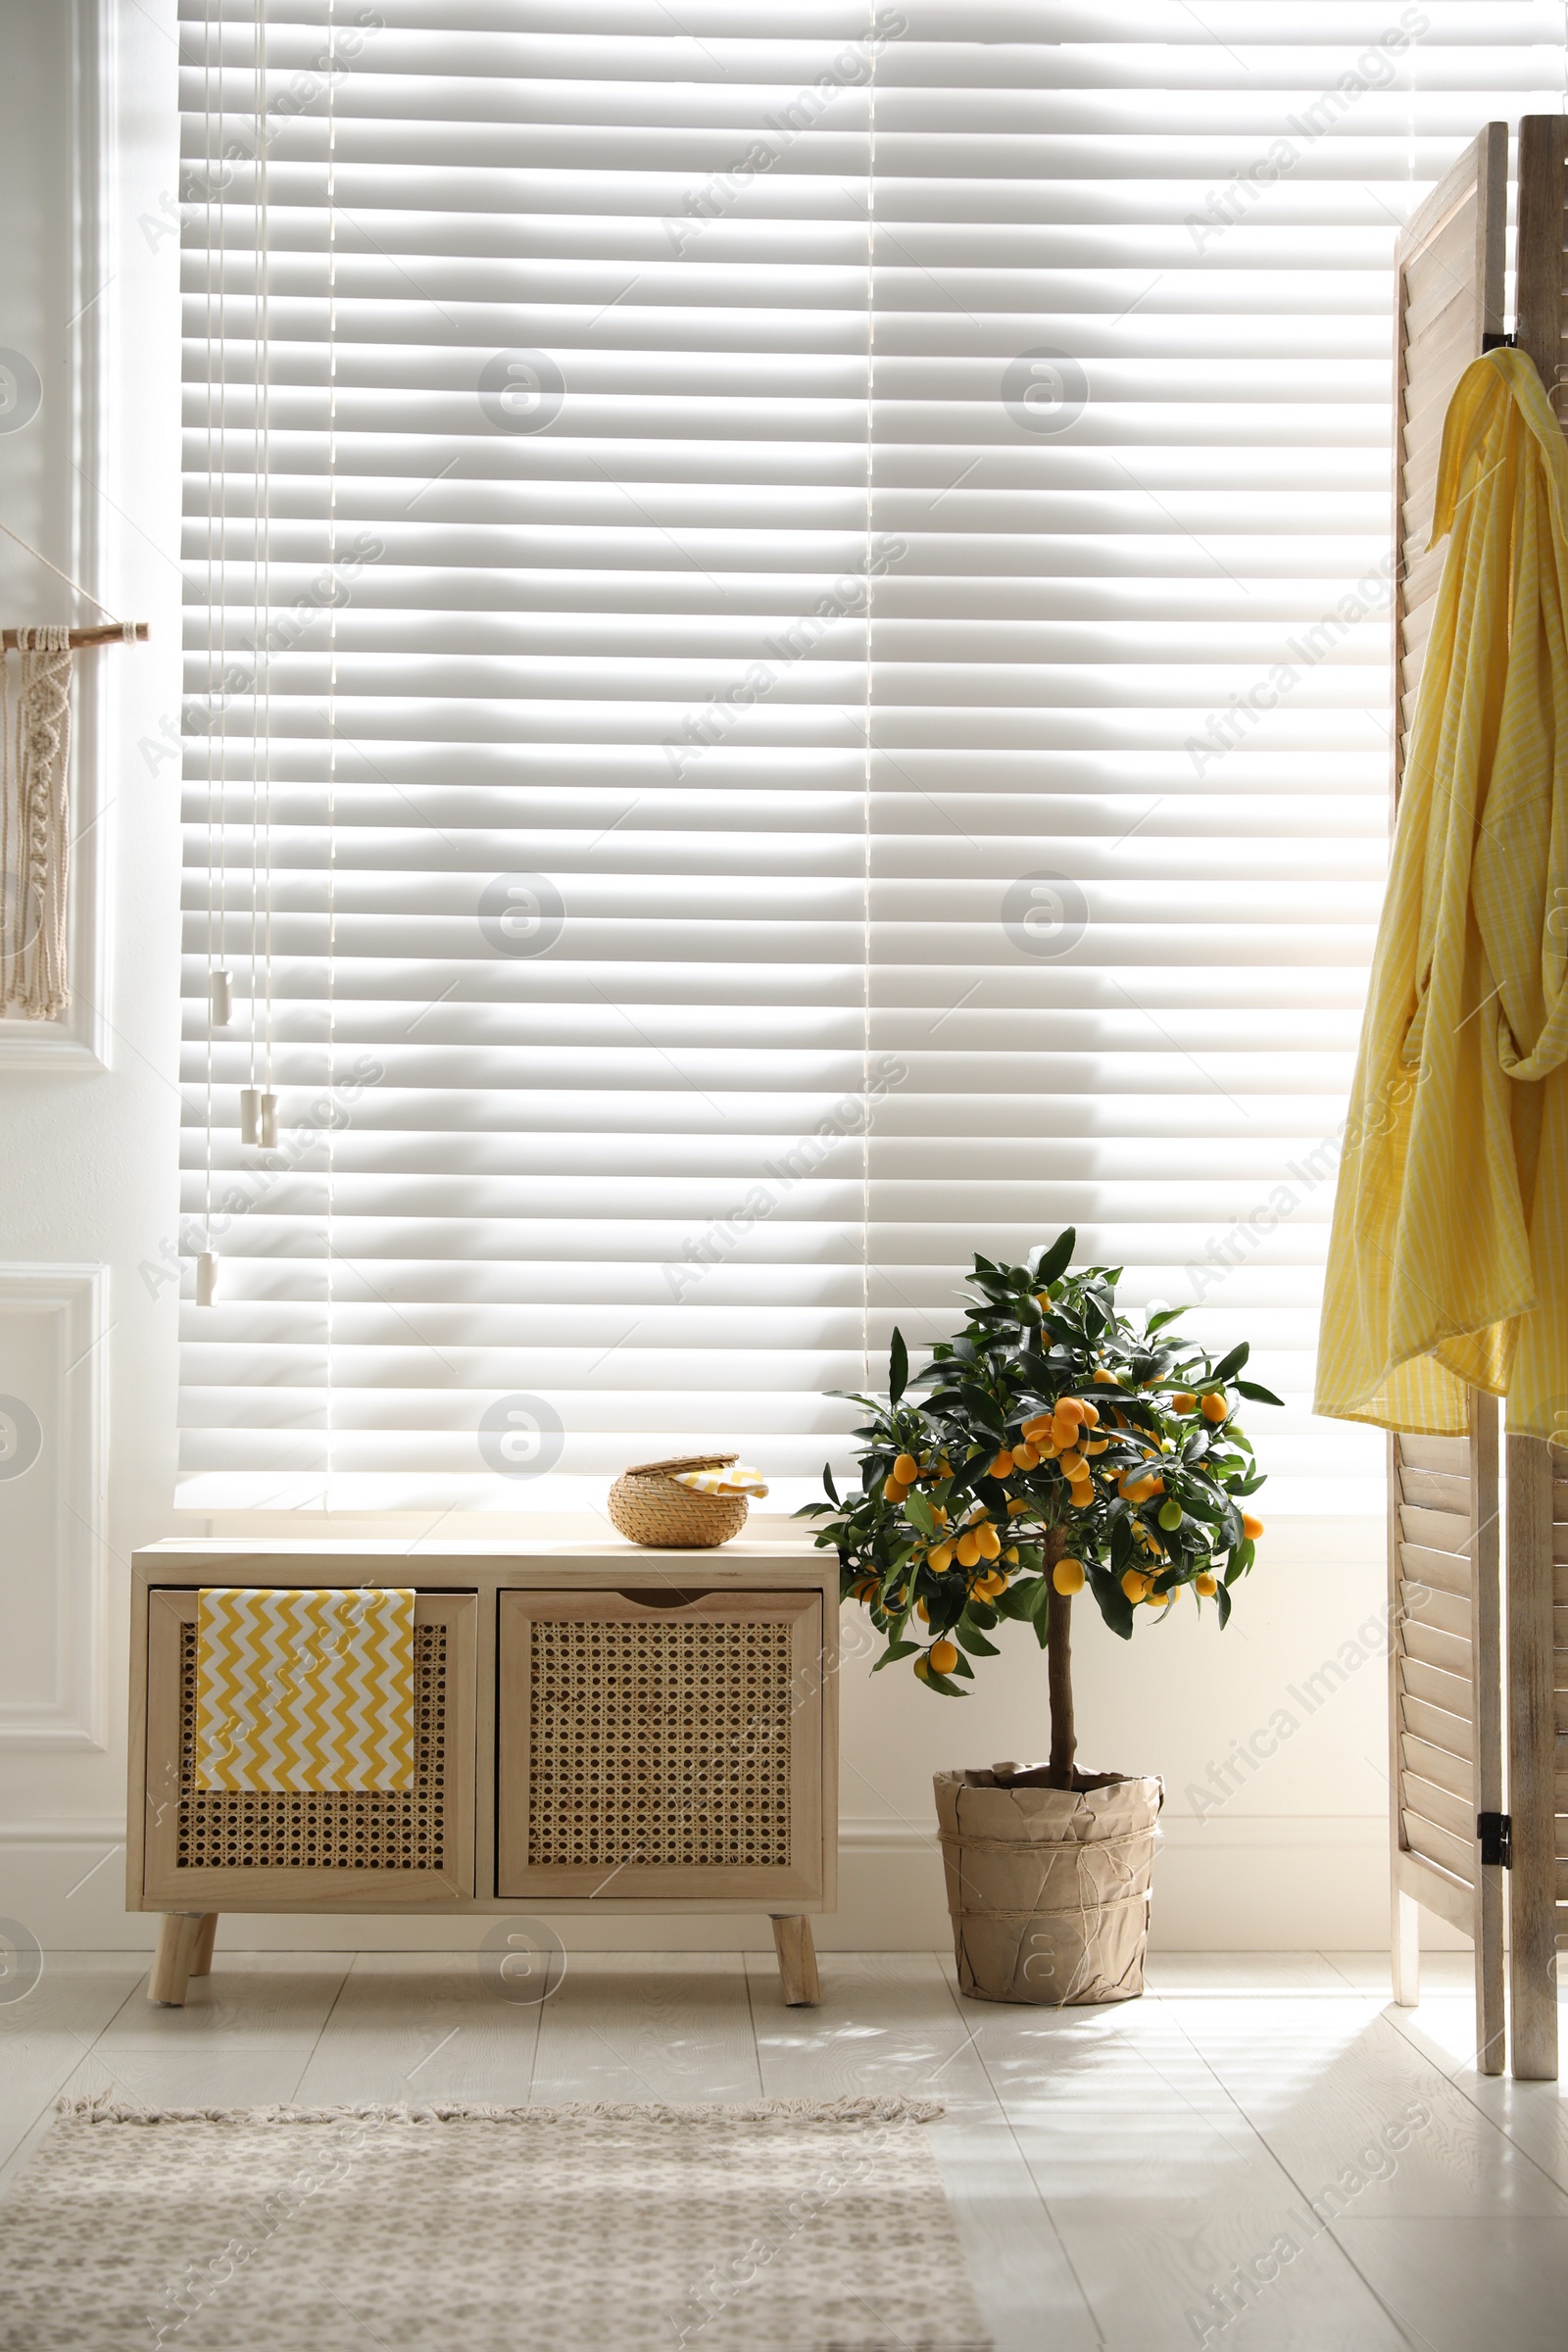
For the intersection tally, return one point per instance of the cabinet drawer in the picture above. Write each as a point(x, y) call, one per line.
point(234, 1850)
point(668, 1752)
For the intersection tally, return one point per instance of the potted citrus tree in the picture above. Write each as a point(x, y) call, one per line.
point(1055, 1447)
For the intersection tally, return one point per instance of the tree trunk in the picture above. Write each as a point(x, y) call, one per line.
point(1058, 1669)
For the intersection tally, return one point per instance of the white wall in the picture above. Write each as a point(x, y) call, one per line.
point(88, 1153)
point(1295, 1856)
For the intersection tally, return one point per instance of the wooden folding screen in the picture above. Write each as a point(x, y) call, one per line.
point(1445, 1693)
point(1538, 1482)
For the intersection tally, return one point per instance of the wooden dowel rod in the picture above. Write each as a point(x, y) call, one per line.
point(110, 633)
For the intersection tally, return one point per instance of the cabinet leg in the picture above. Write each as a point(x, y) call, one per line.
point(178, 1939)
point(797, 1961)
point(201, 1959)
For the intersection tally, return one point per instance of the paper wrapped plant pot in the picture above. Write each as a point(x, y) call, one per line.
point(649, 1506)
point(1049, 1888)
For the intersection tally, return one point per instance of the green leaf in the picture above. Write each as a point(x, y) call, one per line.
point(1222, 1602)
point(898, 1367)
point(894, 1650)
point(827, 1481)
point(1166, 1314)
point(964, 1669)
point(1231, 1364)
point(940, 1681)
point(1251, 1389)
point(974, 1640)
point(1056, 1259)
point(1114, 1605)
point(917, 1507)
point(1018, 1601)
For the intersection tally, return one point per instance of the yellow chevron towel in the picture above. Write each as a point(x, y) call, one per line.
point(1449, 1260)
point(303, 1691)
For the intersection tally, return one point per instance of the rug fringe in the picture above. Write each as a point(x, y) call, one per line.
point(105, 2108)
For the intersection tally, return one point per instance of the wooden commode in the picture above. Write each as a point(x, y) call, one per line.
point(599, 1728)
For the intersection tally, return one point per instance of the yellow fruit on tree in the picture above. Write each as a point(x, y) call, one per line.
point(1024, 1457)
point(1018, 1503)
point(1072, 1462)
point(1091, 1415)
point(1095, 1445)
point(1205, 1583)
point(1002, 1466)
point(1184, 1402)
point(1068, 1576)
point(1213, 1406)
point(941, 1558)
point(943, 1657)
point(1011, 1556)
point(1135, 1584)
point(988, 1540)
point(1081, 1495)
point(907, 1470)
point(968, 1549)
point(893, 1490)
point(1156, 1600)
point(922, 1612)
point(1252, 1528)
point(1103, 1375)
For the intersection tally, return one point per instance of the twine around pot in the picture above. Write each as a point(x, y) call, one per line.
point(649, 1506)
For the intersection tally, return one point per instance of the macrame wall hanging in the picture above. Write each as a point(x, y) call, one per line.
point(35, 804)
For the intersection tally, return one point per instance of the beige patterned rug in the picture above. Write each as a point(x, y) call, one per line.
point(787, 2224)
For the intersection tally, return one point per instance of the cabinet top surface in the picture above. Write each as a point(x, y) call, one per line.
point(746, 1554)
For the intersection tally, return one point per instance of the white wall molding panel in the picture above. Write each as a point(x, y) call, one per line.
point(58, 329)
point(53, 1499)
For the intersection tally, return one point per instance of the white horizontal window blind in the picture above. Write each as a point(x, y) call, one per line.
point(568, 357)
point(1130, 699)
point(786, 676)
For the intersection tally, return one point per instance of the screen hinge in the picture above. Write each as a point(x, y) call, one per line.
point(1496, 343)
point(1495, 1832)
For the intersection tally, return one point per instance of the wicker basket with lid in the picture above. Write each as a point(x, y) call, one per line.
point(649, 1506)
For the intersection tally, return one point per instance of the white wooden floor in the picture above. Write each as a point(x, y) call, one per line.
point(1109, 2169)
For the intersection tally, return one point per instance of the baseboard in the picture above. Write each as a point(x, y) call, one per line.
point(1259, 1884)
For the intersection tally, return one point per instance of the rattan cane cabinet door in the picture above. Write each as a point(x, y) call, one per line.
point(668, 1752)
point(224, 1850)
